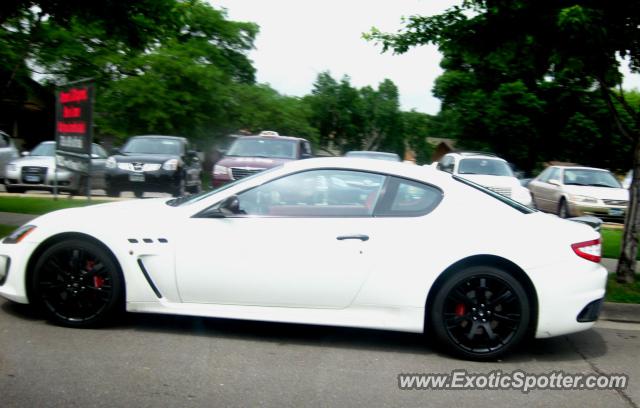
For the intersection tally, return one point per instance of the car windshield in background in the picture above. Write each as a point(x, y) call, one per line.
point(152, 146)
point(484, 166)
point(44, 149)
point(585, 177)
point(375, 155)
point(282, 149)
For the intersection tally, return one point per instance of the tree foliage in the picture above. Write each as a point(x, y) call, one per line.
point(538, 80)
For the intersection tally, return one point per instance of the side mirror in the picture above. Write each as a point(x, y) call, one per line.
point(230, 206)
point(25, 153)
point(554, 182)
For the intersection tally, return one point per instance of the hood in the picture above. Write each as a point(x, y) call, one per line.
point(603, 193)
point(254, 162)
point(41, 161)
point(492, 181)
point(144, 158)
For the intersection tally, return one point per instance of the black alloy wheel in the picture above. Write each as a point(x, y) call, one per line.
point(138, 193)
point(77, 284)
point(480, 313)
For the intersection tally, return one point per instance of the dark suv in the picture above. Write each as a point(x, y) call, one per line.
point(154, 163)
point(252, 154)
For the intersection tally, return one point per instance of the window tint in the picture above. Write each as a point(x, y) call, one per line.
point(484, 166)
point(588, 177)
point(316, 193)
point(446, 164)
point(407, 198)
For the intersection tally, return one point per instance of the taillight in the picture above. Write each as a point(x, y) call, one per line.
point(589, 250)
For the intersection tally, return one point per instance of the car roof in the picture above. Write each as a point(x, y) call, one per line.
point(371, 152)
point(271, 137)
point(580, 168)
point(180, 138)
point(476, 155)
point(401, 169)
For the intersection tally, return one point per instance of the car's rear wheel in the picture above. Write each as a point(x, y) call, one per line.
point(77, 284)
point(480, 313)
point(138, 193)
point(563, 209)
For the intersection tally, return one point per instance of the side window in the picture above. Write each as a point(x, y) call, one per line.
point(544, 176)
point(554, 175)
point(4, 140)
point(407, 198)
point(446, 164)
point(98, 150)
point(315, 193)
point(306, 149)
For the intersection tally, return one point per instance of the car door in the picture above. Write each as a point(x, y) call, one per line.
point(297, 241)
point(98, 166)
point(543, 191)
point(8, 152)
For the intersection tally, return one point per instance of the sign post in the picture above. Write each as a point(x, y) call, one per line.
point(74, 130)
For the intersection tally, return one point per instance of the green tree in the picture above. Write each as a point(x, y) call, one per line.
point(510, 65)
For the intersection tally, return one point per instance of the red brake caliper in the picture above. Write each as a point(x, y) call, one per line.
point(460, 309)
point(98, 281)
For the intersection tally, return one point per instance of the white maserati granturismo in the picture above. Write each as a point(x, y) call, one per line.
point(339, 241)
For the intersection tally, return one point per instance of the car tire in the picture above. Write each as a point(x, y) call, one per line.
point(563, 209)
point(112, 192)
point(180, 189)
point(11, 189)
point(77, 283)
point(480, 313)
point(138, 193)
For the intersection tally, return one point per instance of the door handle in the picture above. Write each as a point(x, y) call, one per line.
point(361, 237)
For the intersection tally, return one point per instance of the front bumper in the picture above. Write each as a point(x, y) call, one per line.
point(156, 181)
point(15, 257)
point(66, 180)
point(578, 209)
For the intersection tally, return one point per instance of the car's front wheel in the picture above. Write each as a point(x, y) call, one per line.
point(563, 209)
point(77, 283)
point(480, 313)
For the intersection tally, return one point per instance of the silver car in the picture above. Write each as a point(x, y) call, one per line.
point(572, 191)
point(8, 152)
point(35, 171)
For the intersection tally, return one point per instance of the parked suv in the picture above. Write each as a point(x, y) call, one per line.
point(572, 191)
point(37, 170)
point(487, 170)
point(154, 163)
point(252, 154)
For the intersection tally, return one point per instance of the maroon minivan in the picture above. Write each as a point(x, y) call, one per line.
point(251, 154)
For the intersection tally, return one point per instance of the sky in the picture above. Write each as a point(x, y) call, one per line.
point(298, 39)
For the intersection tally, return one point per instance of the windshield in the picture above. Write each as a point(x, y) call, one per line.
point(276, 148)
point(484, 166)
point(44, 149)
point(152, 145)
point(586, 177)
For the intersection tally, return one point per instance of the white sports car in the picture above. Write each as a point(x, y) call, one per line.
point(346, 242)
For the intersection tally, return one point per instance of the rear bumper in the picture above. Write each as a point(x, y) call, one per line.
point(569, 295)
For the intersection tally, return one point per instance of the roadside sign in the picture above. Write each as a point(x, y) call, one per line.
point(74, 126)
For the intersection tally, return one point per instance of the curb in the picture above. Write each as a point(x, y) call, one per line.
point(620, 312)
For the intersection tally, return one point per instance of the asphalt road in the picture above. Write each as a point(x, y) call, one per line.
point(165, 361)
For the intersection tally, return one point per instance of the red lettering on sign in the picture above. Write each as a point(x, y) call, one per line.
point(71, 112)
point(78, 127)
point(74, 95)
